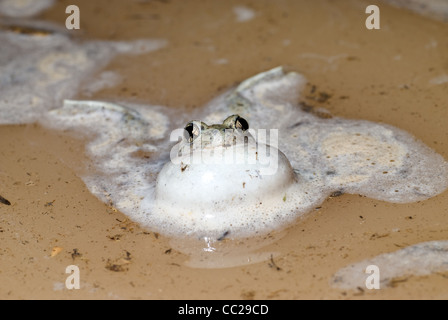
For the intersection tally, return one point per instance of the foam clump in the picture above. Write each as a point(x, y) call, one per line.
point(23, 8)
point(122, 138)
point(417, 260)
point(317, 156)
point(41, 67)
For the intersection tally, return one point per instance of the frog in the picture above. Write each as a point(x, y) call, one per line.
point(220, 168)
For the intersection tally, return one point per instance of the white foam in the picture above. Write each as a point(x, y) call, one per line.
point(38, 71)
point(416, 260)
point(439, 80)
point(107, 79)
point(23, 8)
point(328, 155)
point(220, 61)
point(243, 13)
point(125, 136)
point(436, 9)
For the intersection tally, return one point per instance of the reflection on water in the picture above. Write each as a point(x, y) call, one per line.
point(227, 253)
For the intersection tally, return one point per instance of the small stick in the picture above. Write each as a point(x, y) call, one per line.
point(272, 264)
point(4, 201)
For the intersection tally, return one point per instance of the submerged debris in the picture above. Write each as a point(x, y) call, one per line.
point(119, 265)
point(28, 30)
point(337, 194)
point(115, 267)
point(55, 251)
point(4, 201)
point(272, 264)
point(76, 254)
point(224, 235)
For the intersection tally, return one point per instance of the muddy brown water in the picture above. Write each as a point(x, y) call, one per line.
point(384, 75)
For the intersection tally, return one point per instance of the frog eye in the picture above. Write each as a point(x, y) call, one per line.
point(192, 131)
point(241, 123)
point(236, 122)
